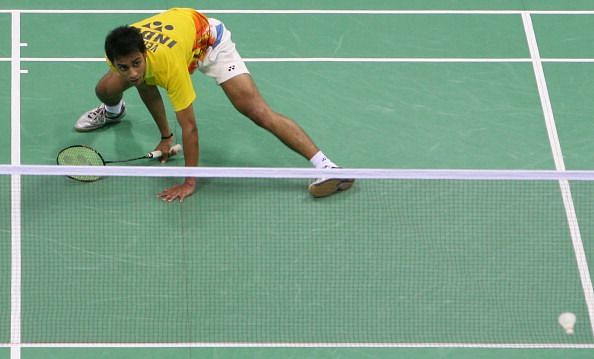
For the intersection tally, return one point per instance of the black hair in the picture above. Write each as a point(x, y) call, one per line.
point(123, 41)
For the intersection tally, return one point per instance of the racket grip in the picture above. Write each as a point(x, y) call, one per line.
point(172, 151)
point(175, 149)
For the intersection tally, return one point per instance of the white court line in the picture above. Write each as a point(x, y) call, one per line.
point(310, 345)
point(574, 230)
point(15, 187)
point(303, 59)
point(382, 59)
point(288, 11)
point(311, 11)
point(339, 59)
point(576, 60)
point(306, 173)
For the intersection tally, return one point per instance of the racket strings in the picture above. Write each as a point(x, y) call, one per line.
point(80, 156)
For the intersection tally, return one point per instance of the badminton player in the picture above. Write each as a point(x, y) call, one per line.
point(163, 51)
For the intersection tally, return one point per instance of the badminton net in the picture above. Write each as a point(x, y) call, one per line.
point(406, 257)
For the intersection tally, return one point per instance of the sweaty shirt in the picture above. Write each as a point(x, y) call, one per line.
point(175, 40)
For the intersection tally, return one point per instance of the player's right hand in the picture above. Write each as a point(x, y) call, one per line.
point(165, 147)
point(179, 191)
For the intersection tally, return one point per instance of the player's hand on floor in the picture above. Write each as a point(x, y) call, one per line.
point(179, 191)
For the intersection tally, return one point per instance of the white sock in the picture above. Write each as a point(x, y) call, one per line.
point(115, 109)
point(319, 160)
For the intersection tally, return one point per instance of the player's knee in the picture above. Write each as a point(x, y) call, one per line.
point(106, 93)
point(111, 88)
point(102, 91)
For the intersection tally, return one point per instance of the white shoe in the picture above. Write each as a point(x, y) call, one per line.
point(327, 186)
point(97, 118)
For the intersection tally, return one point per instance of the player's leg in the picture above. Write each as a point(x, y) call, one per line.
point(224, 64)
point(109, 91)
point(110, 88)
point(246, 98)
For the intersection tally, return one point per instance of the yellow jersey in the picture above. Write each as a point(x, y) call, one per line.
point(175, 40)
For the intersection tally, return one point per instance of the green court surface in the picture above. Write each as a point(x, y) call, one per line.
point(561, 35)
point(416, 269)
point(328, 35)
point(261, 271)
point(584, 209)
point(570, 87)
point(5, 35)
point(5, 111)
point(416, 140)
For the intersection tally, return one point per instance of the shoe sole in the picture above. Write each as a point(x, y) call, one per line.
point(89, 129)
point(108, 123)
point(330, 186)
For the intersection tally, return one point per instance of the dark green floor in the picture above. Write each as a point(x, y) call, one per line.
point(258, 261)
point(5, 263)
point(5, 36)
point(5, 111)
point(299, 353)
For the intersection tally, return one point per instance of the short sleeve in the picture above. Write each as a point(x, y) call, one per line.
point(180, 89)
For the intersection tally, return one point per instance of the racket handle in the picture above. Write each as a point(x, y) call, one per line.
point(175, 149)
point(172, 151)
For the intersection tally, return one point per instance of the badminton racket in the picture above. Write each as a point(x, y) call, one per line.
point(81, 155)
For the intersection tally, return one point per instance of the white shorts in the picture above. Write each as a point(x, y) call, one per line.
point(222, 61)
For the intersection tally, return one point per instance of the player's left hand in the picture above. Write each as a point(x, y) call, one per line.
point(179, 191)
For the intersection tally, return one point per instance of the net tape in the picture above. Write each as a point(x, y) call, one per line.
point(260, 172)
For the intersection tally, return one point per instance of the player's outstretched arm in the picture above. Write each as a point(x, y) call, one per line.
point(153, 101)
point(187, 122)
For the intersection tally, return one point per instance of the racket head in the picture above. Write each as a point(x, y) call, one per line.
point(80, 155)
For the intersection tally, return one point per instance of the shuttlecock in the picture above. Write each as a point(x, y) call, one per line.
point(567, 321)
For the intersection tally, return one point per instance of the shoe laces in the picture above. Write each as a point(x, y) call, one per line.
point(98, 114)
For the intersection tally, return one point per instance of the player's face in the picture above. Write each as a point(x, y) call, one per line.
point(131, 67)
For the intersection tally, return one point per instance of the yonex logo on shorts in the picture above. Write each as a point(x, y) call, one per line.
point(231, 68)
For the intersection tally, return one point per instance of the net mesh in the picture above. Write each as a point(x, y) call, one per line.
point(257, 260)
